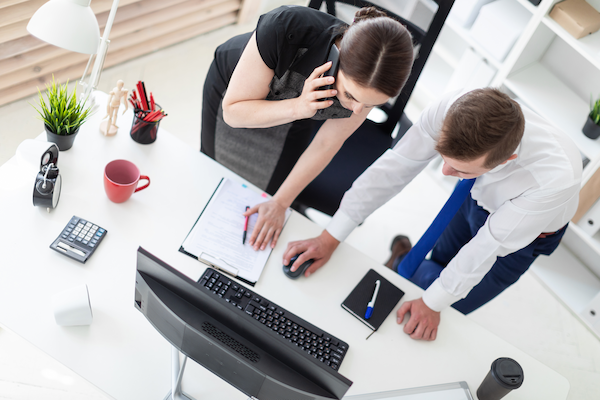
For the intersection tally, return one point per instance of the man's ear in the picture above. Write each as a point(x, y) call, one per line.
point(510, 158)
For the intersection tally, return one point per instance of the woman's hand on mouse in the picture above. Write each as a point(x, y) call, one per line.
point(309, 101)
point(271, 216)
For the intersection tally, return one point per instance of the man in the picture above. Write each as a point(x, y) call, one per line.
point(528, 176)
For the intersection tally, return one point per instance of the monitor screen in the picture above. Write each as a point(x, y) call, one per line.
point(239, 350)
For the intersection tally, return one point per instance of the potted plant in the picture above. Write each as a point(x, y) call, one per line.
point(591, 128)
point(62, 114)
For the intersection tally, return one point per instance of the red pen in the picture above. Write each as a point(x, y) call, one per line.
point(245, 227)
point(151, 102)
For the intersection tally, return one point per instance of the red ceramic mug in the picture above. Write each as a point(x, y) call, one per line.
point(121, 179)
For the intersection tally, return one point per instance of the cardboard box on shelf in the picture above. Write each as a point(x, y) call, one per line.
point(577, 17)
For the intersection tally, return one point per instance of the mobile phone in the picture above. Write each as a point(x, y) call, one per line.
point(334, 57)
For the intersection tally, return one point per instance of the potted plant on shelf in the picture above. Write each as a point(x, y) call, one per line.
point(591, 128)
point(62, 114)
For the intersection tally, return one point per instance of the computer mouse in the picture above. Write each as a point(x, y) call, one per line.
point(299, 271)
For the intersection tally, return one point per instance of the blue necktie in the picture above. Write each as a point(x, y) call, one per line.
point(417, 254)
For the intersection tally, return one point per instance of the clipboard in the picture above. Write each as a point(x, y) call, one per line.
point(216, 237)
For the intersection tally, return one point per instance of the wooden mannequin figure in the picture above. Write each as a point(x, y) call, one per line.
point(116, 96)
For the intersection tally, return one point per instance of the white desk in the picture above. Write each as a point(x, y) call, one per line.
point(125, 357)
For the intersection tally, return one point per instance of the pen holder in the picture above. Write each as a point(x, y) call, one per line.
point(144, 132)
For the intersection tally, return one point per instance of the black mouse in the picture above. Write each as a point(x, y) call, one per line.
point(299, 271)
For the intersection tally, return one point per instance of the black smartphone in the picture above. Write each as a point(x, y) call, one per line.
point(334, 57)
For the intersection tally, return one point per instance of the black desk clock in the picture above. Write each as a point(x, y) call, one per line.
point(46, 190)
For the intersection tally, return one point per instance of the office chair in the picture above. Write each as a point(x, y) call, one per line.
point(371, 139)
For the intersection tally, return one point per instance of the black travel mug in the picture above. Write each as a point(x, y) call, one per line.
point(505, 375)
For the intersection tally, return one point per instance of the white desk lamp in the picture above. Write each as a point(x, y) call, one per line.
point(72, 25)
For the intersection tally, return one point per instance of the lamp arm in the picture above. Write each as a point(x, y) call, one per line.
point(102, 50)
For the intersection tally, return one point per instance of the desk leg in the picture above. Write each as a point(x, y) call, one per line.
point(176, 377)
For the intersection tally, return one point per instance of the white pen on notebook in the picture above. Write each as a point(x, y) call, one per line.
point(373, 300)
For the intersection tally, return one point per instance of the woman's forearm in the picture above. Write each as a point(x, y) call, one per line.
point(315, 158)
point(259, 113)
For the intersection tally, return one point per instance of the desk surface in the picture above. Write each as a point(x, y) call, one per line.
point(125, 357)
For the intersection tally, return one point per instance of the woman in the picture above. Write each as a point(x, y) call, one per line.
point(262, 93)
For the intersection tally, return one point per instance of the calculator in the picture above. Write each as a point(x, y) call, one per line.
point(79, 239)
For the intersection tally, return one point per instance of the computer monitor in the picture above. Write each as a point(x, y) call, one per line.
point(238, 350)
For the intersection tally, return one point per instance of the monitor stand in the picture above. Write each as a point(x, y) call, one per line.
point(176, 377)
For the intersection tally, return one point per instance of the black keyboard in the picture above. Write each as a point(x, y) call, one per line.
point(322, 346)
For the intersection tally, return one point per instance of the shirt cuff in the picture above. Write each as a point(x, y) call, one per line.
point(341, 226)
point(437, 298)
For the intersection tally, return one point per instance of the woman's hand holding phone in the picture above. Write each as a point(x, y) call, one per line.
point(311, 98)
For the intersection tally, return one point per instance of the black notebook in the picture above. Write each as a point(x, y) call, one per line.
point(387, 298)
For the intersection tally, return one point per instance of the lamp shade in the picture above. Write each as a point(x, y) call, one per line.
point(70, 24)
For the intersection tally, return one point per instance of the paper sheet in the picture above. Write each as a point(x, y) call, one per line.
point(216, 238)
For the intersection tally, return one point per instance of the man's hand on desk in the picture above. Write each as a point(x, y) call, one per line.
point(423, 321)
point(271, 216)
point(318, 249)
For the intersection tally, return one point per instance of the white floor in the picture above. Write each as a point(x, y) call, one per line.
point(525, 315)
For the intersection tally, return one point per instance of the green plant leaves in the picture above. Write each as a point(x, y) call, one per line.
point(62, 113)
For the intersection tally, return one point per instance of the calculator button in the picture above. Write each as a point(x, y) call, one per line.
point(84, 241)
point(71, 239)
point(79, 239)
point(92, 245)
point(95, 226)
point(93, 241)
point(101, 230)
point(64, 236)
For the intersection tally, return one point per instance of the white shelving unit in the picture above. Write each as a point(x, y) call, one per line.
point(555, 75)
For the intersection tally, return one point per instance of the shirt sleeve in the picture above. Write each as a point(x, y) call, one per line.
point(270, 36)
point(391, 172)
point(280, 33)
point(514, 226)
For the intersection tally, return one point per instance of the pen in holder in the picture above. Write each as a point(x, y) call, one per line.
point(144, 129)
point(146, 115)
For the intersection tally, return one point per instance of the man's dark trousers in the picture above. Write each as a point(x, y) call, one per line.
point(505, 271)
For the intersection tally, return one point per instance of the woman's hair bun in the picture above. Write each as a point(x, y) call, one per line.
point(367, 13)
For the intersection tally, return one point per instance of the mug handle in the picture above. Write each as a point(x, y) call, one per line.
point(145, 186)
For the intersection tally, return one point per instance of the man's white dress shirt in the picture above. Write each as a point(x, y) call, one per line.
point(536, 192)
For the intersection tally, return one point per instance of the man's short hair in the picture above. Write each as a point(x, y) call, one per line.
point(482, 122)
